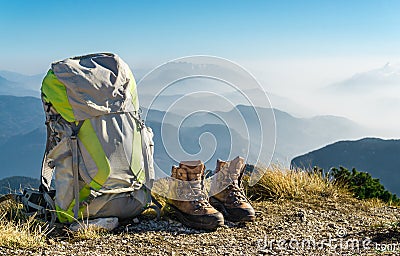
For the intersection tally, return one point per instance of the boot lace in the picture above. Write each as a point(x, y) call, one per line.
point(236, 193)
point(198, 197)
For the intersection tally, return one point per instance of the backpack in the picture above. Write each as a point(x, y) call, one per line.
point(99, 153)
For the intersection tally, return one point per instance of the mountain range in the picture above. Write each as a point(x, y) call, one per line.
point(376, 156)
point(372, 97)
point(217, 129)
point(19, 115)
point(12, 83)
point(375, 80)
point(23, 135)
point(294, 135)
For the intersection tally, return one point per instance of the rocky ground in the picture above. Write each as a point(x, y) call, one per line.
point(287, 227)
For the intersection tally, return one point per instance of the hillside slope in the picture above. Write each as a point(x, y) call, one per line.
point(22, 154)
point(15, 88)
point(296, 214)
point(321, 227)
point(378, 157)
point(16, 183)
point(19, 115)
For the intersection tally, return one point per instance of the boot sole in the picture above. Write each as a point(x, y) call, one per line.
point(175, 213)
point(221, 208)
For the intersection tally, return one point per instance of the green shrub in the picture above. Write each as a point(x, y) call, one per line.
point(362, 185)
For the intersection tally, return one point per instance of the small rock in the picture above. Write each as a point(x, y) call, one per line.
point(136, 221)
point(332, 225)
point(302, 216)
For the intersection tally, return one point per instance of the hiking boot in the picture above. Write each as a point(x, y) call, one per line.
point(187, 200)
point(231, 201)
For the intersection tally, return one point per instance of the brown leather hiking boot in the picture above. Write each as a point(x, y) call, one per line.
point(227, 192)
point(187, 200)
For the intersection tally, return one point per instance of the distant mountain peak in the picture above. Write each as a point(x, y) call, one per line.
point(386, 76)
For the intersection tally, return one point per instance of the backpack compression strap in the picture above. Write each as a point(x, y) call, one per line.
point(75, 164)
point(148, 164)
point(149, 170)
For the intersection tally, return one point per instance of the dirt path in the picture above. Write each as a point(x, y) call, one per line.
point(320, 227)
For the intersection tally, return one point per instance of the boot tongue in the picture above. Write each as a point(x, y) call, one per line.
point(230, 170)
point(221, 165)
point(193, 172)
point(235, 169)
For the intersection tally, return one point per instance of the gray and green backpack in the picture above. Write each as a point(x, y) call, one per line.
point(99, 153)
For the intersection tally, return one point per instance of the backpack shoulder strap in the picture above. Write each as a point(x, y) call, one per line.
point(47, 169)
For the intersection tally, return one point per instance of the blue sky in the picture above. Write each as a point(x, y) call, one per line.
point(294, 48)
point(145, 33)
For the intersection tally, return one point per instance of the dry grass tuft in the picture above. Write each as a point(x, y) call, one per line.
point(87, 232)
point(282, 183)
point(373, 203)
point(18, 231)
point(160, 190)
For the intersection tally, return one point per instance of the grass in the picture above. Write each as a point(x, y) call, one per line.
point(282, 183)
point(18, 231)
point(277, 183)
point(87, 232)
